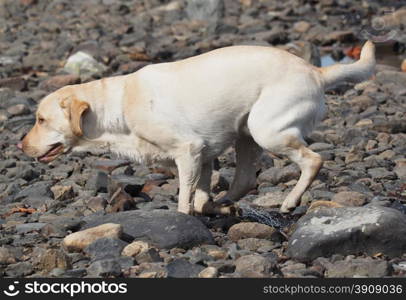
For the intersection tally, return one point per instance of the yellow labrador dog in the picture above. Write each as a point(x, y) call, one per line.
point(188, 112)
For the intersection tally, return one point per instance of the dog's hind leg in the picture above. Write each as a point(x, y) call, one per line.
point(247, 152)
point(281, 132)
point(309, 163)
point(295, 149)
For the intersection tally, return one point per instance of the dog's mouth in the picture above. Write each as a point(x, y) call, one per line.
point(52, 153)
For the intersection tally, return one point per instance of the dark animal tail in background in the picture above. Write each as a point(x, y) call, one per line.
point(270, 218)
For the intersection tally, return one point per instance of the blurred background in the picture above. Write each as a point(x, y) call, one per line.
point(37, 37)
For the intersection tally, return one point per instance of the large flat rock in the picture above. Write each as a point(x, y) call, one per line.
point(349, 230)
point(162, 228)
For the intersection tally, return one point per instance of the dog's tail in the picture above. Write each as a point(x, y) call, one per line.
point(361, 70)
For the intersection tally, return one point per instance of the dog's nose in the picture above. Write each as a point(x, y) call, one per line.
point(20, 143)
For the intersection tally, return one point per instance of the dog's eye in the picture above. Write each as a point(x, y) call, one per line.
point(41, 120)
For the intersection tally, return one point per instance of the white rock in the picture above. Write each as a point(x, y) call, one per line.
point(79, 240)
point(82, 63)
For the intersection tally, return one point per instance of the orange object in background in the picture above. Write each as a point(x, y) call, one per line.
point(403, 66)
point(19, 210)
point(353, 52)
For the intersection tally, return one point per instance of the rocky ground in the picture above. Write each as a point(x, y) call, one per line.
point(87, 216)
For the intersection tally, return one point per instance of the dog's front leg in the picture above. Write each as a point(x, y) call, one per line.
point(189, 163)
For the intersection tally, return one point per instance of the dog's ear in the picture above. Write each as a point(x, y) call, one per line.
point(75, 109)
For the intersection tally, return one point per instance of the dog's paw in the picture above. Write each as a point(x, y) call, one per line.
point(286, 209)
point(224, 201)
point(186, 210)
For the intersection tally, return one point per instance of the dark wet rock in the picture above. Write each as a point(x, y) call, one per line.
point(105, 248)
point(29, 227)
point(75, 273)
point(165, 229)
point(27, 240)
point(104, 268)
point(65, 222)
point(348, 230)
point(19, 269)
point(181, 268)
point(398, 206)
point(39, 189)
point(97, 182)
point(125, 262)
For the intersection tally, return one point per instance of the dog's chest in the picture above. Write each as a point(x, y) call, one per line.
point(138, 150)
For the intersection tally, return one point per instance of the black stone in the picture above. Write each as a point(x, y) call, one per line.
point(162, 228)
point(181, 268)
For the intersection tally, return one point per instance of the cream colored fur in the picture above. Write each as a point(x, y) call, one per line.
point(188, 112)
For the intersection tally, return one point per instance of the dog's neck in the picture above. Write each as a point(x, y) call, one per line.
point(106, 130)
point(103, 131)
point(103, 125)
point(98, 138)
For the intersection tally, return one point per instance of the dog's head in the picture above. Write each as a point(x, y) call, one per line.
point(57, 127)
